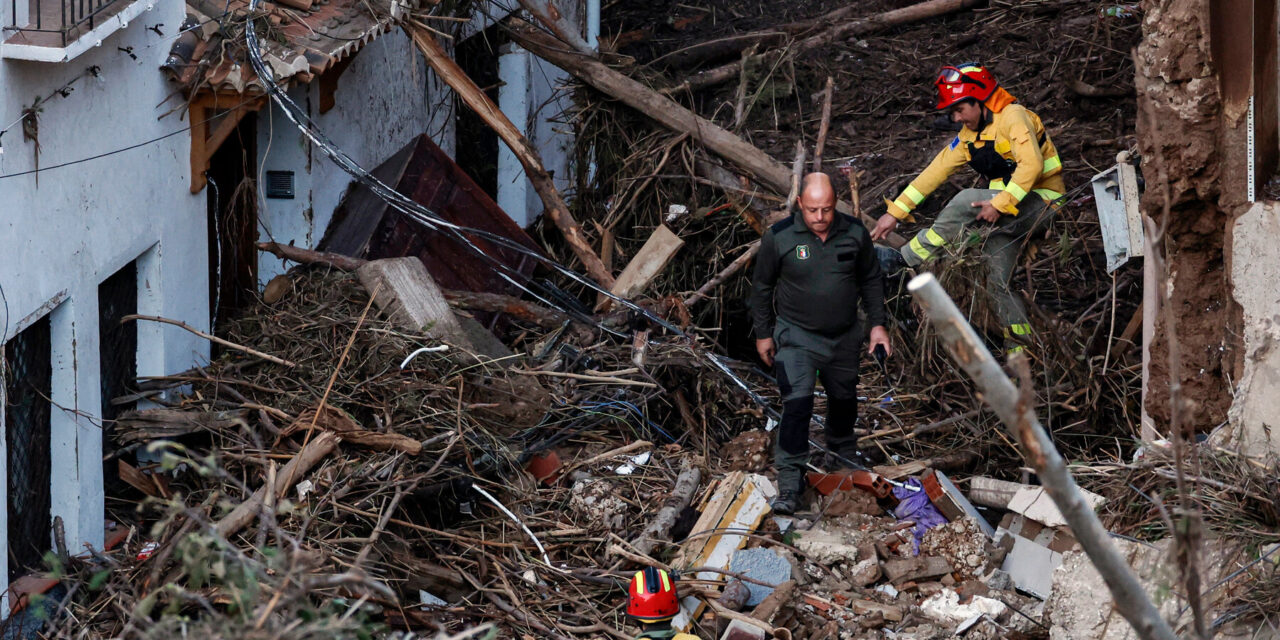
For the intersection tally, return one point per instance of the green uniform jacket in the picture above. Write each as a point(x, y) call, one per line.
point(816, 285)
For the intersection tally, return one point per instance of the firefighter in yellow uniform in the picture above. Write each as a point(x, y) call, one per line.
point(1006, 144)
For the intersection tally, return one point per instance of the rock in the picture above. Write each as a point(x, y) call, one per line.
point(735, 595)
point(826, 547)
point(761, 564)
point(999, 580)
point(962, 542)
point(865, 572)
point(594, 500)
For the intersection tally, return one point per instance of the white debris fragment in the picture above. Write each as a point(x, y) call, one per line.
point(303, 488)
point(945, 606)
point(634, 463)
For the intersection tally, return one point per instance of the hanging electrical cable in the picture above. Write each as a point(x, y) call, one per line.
point(432, 221)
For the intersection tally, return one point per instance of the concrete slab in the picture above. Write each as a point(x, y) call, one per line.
point(761, 564)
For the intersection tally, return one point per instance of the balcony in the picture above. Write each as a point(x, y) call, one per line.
point(60, 30)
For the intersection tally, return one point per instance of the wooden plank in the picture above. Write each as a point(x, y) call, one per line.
point(408, 296)
point(653, 257)
point(739, 504)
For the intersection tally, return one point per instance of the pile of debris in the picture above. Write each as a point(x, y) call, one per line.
point(372, 455)
point(439, 487)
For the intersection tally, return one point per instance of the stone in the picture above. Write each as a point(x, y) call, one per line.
point(761, 564)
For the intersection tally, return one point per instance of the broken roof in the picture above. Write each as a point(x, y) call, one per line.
point(300, 44)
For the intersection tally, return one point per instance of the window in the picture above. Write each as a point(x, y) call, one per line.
point(117, 350)
point(28, 382)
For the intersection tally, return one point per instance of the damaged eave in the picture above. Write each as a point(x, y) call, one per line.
point(214, 73)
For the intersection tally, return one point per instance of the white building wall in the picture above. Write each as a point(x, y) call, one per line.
point(381, 103)
point(60, 238)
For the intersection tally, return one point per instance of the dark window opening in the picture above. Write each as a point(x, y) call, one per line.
point(117, 353)
point(476, 143)
point(28, 385)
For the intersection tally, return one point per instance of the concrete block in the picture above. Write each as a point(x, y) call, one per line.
point(1029, 565)
point(761, 564)
point(945, 607)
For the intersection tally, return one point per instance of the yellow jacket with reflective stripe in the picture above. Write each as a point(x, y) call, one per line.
point(1015, 131)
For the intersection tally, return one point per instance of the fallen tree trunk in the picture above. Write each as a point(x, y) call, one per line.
point(457, 79)
point(549, 14)
point(1018, 415)
point(659, 528)
point(670, 114)
point(865, 26)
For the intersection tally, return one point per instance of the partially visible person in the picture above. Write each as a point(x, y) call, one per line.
point(652, 602)
point(812, 271)
point(1007, 145)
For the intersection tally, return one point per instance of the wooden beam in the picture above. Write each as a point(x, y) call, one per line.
point(652, 258)
point(448, 70)
point(205, 141)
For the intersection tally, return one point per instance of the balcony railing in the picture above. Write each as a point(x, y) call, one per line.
point(56, 23)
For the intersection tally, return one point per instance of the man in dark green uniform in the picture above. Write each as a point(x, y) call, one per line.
point(811, 271)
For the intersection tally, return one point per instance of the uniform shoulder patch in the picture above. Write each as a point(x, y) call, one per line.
point(955, 142)
point(783, 224)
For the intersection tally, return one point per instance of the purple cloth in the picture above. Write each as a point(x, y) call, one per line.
point(915, 505)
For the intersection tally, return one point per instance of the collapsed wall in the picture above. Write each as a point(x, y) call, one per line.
point(1193, 95)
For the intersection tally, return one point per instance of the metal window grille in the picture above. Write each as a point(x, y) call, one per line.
point(117, 351)
point(28, 382)
point(65, 19)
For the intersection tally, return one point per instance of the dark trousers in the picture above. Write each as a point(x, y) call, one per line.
point(803, 358)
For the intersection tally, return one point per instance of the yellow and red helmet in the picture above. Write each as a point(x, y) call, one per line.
point(652, 596)
point(964, 81)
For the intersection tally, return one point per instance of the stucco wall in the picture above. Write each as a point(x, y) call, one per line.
point(61, 238)
point(1254, 425)
point(380, 105)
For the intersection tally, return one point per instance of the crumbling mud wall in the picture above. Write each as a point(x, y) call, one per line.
point(1180, 132)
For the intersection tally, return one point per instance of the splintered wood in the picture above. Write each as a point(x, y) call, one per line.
point(737, 505)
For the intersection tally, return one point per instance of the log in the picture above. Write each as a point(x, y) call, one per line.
point(309, 256)
point(478, 101)
point(668, 113)
point(773, 603)
point(733, 45)
point(1017, 413)
point(734, 267)
point(549, 14)
point(823, 127)
point(314, 451)
point(659, 529)
point(851, 29)
point(511, 306)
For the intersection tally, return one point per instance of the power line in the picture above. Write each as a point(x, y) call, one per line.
point(122, 149)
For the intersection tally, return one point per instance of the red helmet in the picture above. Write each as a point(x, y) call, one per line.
point(652, 596)
point(963, 81)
